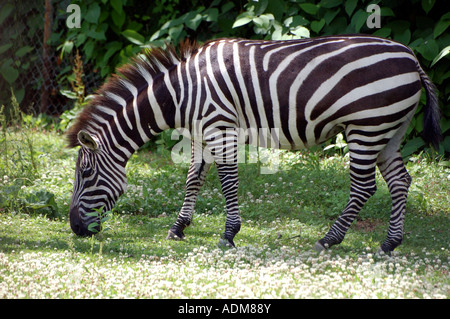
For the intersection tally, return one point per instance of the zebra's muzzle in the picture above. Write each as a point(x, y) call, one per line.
point(78, 225)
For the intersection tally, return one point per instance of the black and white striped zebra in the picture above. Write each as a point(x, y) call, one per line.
point(308, 90)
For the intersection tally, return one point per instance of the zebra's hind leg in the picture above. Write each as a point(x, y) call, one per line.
point(228, 175)
point(398, 181)
point(195, 179)
point(362, 187)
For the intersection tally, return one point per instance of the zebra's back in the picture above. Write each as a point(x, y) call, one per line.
point(311, 89)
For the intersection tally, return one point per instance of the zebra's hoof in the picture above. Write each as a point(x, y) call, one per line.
point(319, 247)
point(225, 244)
point(172, 236)
point(388, 253)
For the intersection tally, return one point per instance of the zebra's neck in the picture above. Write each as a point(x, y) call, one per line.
point(143, 113)
point(131, 108)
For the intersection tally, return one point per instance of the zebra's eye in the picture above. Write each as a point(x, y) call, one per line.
point(87, 172)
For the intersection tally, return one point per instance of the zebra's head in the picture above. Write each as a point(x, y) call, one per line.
point(99, 181)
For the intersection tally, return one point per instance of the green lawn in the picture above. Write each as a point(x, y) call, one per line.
point(283, 214)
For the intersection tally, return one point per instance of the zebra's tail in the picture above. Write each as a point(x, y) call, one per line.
point(431, 126)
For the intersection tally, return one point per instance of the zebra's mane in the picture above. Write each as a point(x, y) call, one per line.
point(152, 60)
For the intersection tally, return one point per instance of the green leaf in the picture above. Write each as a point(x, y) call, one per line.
point(41, 199)
point(427, 5)
point(89, 48)
point(118, 18)
point(383, 32)
point(440, 27)
point(275, 7)
point(330, 15)
point(412, 146)
point(227, 7)
point(263, 21)
point(350, 6)
point(194, 22)
point(175, 32)
point(403, 37)
point(446, 144)
point(92, 227)
point(419, 122)
point(8, 72)
point(398, 26)
point(260, 6)
point(416, 43)
point(359, 19)
point(445, 51)
point(300, 32)
point(211, 14)
point(69, 94)
point(117, 5)
point(97, 32)
point(5, 47)
point(81, 37)
point(445, 125)
point(387, 12)
point(157, 34)
point(95, 213)
point(309, 8)
point(295, 21)
point(242, 19)
point(106, 216)
point(316, 26)
point(112, 48)
point(277, 33)
point(6, 11)
point(23, 51)
point(429, 49)
point(105, 219)
point(133, 37)
point(330, 3)
point(93, 13)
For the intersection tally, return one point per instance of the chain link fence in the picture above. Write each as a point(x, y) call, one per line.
point(30, 62)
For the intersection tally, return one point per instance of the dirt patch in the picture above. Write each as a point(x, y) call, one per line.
point(367, 225)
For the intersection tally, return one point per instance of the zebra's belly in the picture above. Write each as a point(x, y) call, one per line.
point(277, 139)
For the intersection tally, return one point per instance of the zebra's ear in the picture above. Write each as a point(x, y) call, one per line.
point(87, 140)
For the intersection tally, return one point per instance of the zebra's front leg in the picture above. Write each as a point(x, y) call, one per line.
point(195, 179)
point(223, 148)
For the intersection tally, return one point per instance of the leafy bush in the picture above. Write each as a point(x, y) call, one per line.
point(14, 22)
point(418, 24)
point(19, 167)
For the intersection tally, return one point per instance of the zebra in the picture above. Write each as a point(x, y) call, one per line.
point(309, 90)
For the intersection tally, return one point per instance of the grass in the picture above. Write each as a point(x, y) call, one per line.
point(283, 215)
